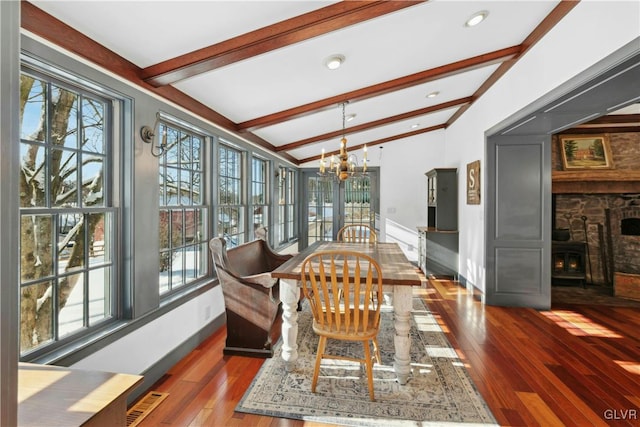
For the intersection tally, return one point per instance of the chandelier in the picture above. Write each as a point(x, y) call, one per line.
point(346, 165)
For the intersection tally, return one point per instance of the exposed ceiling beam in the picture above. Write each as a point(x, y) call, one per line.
point(379, 141)
point(454, 68)
point(57, 32)
point(272, 37)
point(374, 124)
point(550, 21)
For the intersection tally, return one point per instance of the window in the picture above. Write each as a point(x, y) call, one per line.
point(259, 192)
point(67, 231)
point(286, 205)
point(231, 211)
point(183, 215)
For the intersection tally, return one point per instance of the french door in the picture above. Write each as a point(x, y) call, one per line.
point(329, 204)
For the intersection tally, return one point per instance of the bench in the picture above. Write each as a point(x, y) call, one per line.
point(251, 295)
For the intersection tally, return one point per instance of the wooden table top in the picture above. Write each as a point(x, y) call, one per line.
point(396, 268)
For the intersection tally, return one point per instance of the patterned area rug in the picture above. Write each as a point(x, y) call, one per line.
point(439, 392)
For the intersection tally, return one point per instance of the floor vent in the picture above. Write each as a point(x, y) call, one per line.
point(144, 407)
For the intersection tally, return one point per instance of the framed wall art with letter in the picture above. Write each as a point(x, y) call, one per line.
point(473, 183)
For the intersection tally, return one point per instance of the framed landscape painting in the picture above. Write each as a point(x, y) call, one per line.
point(585, 152)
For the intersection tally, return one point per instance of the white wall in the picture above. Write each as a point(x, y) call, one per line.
point(590, 32)
point(138, 351)
point(403, 187)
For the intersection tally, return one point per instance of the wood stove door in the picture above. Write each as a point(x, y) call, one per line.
point(518, 218)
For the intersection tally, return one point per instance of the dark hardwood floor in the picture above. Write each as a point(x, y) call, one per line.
point(575, 365)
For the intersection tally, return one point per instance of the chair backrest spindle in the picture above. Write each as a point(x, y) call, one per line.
point(357, 233)
point(344, 289)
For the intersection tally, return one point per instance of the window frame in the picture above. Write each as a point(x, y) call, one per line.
point(166, 123)
point(263, 184)
point(223, 208)
point(286, 189)
point(132, 173)
point(111, 161)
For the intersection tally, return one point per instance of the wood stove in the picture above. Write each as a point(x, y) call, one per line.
point(568, 263)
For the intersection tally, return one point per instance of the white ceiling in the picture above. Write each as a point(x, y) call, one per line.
point(408, 41)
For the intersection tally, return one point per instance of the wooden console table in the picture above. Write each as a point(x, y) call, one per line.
point(55, 396)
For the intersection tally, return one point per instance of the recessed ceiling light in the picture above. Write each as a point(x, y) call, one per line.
point(350, 117)
point(334, 61)
point(415, 125)
point(476, 18)
point(433, 94)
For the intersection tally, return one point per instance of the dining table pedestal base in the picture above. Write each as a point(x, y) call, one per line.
point(289, 295)
point(402, 305)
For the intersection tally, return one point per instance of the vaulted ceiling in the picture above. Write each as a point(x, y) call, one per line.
point(257, 68)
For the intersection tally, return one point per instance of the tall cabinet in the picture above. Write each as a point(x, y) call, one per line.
point(438, 243)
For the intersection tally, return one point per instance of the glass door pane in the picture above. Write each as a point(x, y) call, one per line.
point(357, 201)
point(329, 204)
point(320, 209)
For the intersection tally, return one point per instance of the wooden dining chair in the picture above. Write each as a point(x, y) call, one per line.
point(357, 233)
point(336, 284)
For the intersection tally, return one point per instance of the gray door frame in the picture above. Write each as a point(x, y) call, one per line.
point(606, 86)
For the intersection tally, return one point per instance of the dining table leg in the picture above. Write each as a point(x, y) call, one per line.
point(289, 295)
point(402, 305)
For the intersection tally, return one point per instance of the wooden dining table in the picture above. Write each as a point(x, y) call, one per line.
point(398, 278)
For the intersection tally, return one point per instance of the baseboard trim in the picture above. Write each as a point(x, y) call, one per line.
point(477, 293)
point(162, 366)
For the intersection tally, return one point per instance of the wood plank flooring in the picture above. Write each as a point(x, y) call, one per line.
point(575, 365)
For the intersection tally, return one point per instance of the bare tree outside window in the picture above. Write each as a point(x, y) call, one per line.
point(66, 224)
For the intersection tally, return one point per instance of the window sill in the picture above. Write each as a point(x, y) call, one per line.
point(78, 349)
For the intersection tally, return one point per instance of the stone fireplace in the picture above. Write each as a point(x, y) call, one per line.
point(626, 235)
point(601, 209)
point(611, 231)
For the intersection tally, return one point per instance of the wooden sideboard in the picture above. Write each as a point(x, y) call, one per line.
point(56, 396)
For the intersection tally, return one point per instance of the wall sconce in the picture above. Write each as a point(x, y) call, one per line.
point(148, 135)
